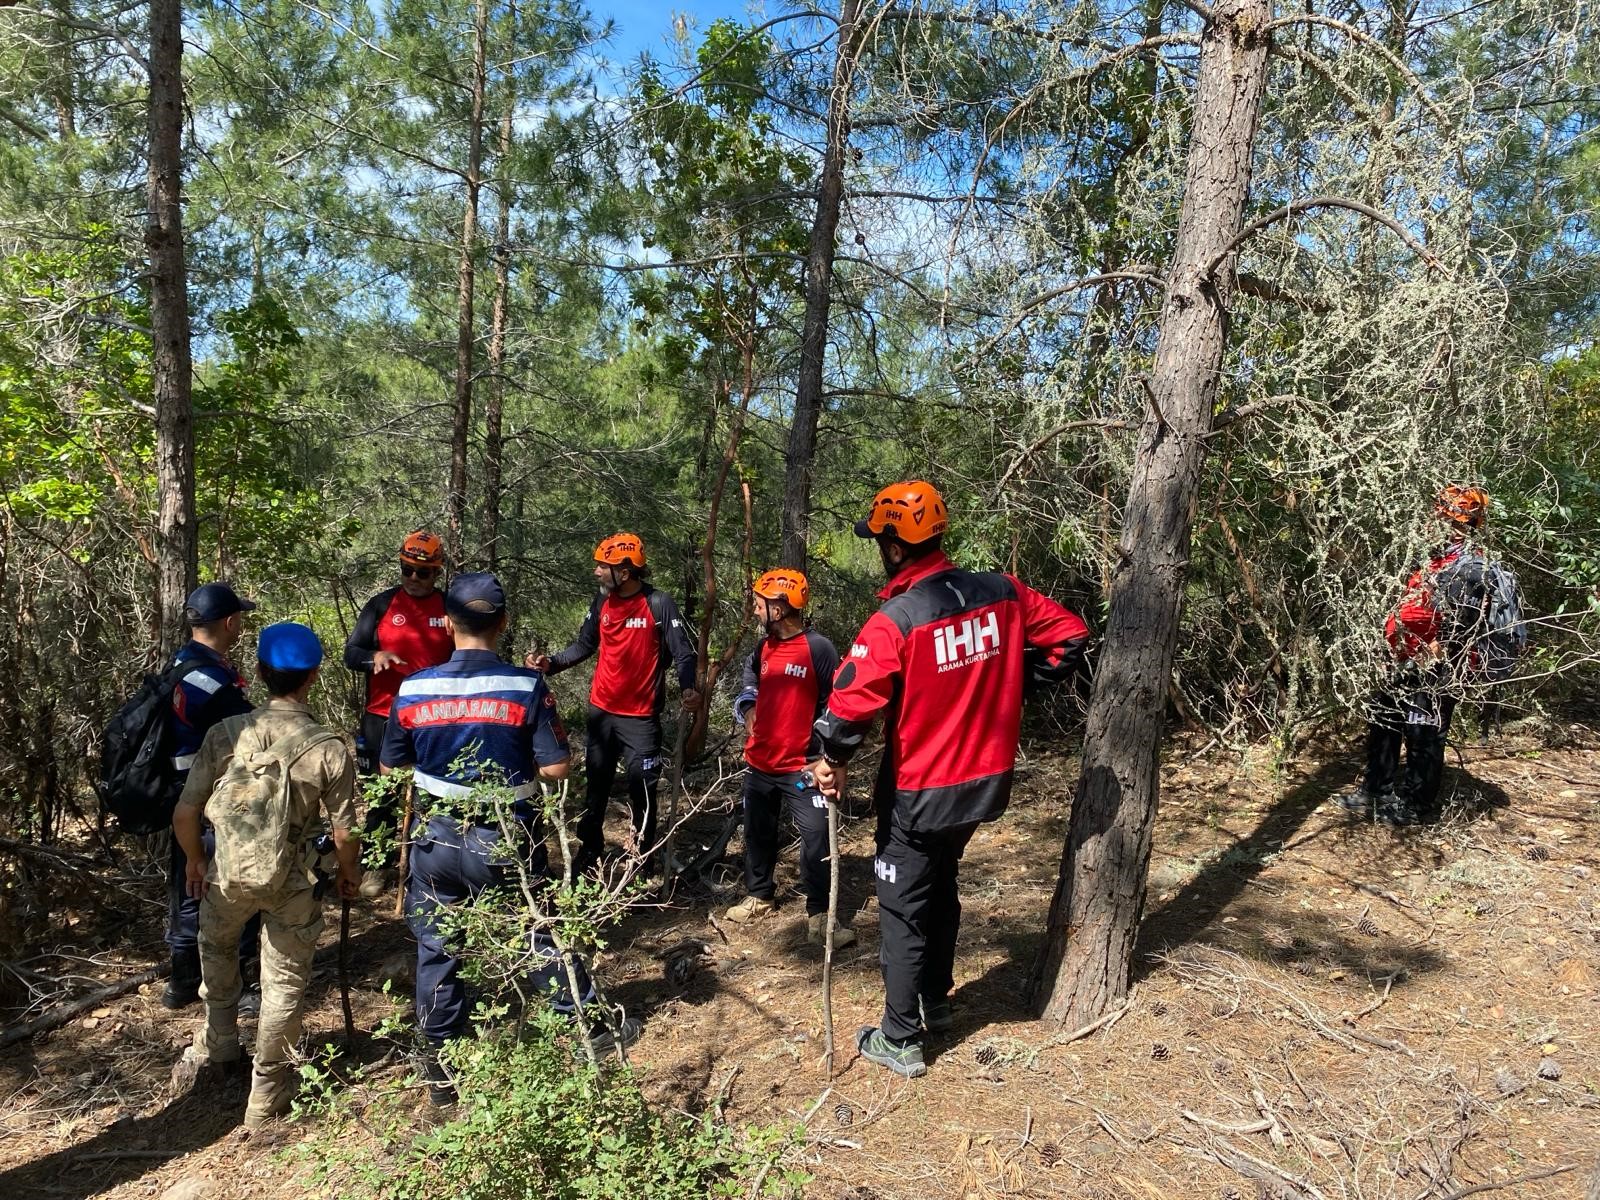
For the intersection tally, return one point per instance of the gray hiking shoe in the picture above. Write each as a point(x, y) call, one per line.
point(937, 1015)
point(1358, 800)
point(904, 1059)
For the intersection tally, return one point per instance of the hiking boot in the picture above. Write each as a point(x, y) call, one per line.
point(441, 1087)
point(183, 986)
point(751, 909)
point(250, 1002)
point(271, 1096)
point(903, 1058)
point(817, 932)
point(374, 884)
point(1358, 800)
point(605, 1043)
point(1395, 811)
point(937, 1015)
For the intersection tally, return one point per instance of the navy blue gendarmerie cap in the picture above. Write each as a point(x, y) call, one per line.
point(477, 594)
point(213, 601)
point(289, 646)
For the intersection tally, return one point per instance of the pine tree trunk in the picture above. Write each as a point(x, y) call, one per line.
point(177, 552)
point(820, 251)
point(500, 317)
point(1084, 965)
point(461, 425)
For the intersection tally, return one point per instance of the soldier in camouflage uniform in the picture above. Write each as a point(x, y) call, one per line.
point(264, 780)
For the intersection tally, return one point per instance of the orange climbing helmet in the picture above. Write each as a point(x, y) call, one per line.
point(621, 550)
point(422, 549)
point(911, 510)
point(786, 585)
point(1463, 505)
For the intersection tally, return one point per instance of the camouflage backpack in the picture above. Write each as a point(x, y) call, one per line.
point(250, 810)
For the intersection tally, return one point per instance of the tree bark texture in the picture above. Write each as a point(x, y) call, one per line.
point(1084, 966)
point(499, 319)
point(820, 251)
point(177, 549)
point(461, 423)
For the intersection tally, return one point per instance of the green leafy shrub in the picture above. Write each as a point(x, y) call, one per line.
point(536, 1120)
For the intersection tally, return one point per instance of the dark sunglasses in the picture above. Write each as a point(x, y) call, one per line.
point(419, 572)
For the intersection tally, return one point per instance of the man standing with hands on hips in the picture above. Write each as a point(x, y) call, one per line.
point(945, 660)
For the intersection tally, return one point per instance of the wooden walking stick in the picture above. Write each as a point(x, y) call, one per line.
point(344, 971)
point(405, 853)
point(827, 944)
point(672, 809)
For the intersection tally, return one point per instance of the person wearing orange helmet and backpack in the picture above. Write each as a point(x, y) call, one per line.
point(400, 631)
point(637, 632)
point(785, 688)
point(945, 660)
point(1459, 620)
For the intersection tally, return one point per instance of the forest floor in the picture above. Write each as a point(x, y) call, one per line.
point(1324, 1008)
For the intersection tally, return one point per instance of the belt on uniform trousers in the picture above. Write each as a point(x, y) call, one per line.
point(441, 793)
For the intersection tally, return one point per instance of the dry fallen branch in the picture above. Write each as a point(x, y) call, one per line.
point(62, 1013)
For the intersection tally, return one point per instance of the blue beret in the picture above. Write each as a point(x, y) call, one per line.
point(289, 646)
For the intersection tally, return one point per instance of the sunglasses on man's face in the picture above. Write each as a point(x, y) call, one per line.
point(419, 572)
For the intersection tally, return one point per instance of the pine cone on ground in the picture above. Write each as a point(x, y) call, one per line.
point(843, 1114)
point(986, 1055)
point(1159, 1052)
point(1367, 926)
point(1049, 1155)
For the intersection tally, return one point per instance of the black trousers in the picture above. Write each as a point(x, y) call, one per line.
point(765, 798)
point(1418, 721)
point(634, 743)
point(383, 818)
point(919, 916)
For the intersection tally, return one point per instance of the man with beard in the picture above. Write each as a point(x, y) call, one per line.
point(785, 688)
point(637, 632)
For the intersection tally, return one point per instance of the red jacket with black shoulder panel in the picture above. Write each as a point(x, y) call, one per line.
point(945, 659)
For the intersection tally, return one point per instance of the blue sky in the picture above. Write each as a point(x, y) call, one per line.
point(647, 24)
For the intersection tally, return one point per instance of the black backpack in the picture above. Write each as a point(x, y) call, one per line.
point(137, 779)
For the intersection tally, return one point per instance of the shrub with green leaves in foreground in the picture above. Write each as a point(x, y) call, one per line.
point(536, 1120)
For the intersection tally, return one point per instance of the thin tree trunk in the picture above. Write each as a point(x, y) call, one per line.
point(1084, 965)
point(493, 443)
point(177, 550)
point(802, 450)
point(461, 426)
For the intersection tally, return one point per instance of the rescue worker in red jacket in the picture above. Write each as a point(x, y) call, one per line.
point(785, 688)
point(400, 631)
point(1431, 637)
point(637, 632)
point(945, 660)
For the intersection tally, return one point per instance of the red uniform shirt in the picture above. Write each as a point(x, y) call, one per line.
point(414, 629)
point(1416, 622)
point(946, 656)
point(631, 634)
point(786, 684)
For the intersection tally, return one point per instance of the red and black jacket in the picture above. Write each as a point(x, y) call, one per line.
point(395, 621)
point(945, 658)
point(636, 636)
point(1443, 602)
point(786, 683)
